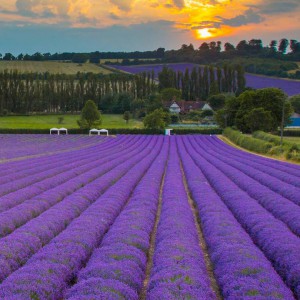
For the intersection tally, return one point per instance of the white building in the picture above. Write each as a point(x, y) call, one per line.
point(174, 108)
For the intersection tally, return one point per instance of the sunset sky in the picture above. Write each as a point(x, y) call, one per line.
point(52, 26)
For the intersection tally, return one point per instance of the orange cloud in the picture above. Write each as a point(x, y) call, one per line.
point(203, 18)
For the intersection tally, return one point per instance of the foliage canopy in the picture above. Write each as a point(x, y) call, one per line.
point(295, 102)
point(255, 110)
point(158, 119)
point(90, 115)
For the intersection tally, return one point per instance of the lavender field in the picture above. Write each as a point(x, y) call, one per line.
point(146, 217)
point(290, 87)
point(17, 146)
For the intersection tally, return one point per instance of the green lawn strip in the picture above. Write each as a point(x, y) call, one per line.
point(69, 121)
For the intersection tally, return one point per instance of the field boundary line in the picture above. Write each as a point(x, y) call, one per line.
point(202, 243)
point(150, 254)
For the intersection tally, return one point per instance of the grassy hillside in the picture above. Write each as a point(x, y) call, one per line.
point(52, 67)
point(69, 121)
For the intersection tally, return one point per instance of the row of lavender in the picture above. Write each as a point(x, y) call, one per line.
point(84, 231)
point(290, 87)
point(14, 146)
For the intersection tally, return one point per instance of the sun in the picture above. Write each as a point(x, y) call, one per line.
point(204, 33)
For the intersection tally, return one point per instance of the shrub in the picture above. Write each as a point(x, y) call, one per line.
point(293, 152)
point(126, 116)
point(158, 119)
point(60, 120)
point(90, 115)
point(248, 142)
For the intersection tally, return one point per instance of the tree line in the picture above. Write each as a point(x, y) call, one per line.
point(25, 93)
point(93, 57)
point(213, 50)
point(202, 82)
point(206, 52)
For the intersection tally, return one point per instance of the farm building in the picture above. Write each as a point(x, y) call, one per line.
point(186, 106)
point(174, 108)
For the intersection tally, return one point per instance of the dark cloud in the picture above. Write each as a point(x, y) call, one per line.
point(25, 7)
point(7, 12)
point(206, 24)
point(124, 5)
point(274, 8)
point(255, 14)
point(179, 3)
point(249, 17)
point(114, 16)
point(47, 13)
point(87, 21)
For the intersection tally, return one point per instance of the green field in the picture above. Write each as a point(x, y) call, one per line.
point(52, 67)
point(69, 121)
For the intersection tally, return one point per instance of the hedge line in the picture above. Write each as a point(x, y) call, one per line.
point(116, 131)
point(290, 132)
point(264, 143)
point(291, 149)
point(269, 138)
point(248, 142)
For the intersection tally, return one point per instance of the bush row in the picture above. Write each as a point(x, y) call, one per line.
point(264, 143)
point(117, 131)
point(291, 149)
point(248, 142)
point(261, 135)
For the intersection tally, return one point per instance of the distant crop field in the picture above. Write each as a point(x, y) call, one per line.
point(290, 87)
point(69, 121)
point(52, 67)
point(116, 60)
